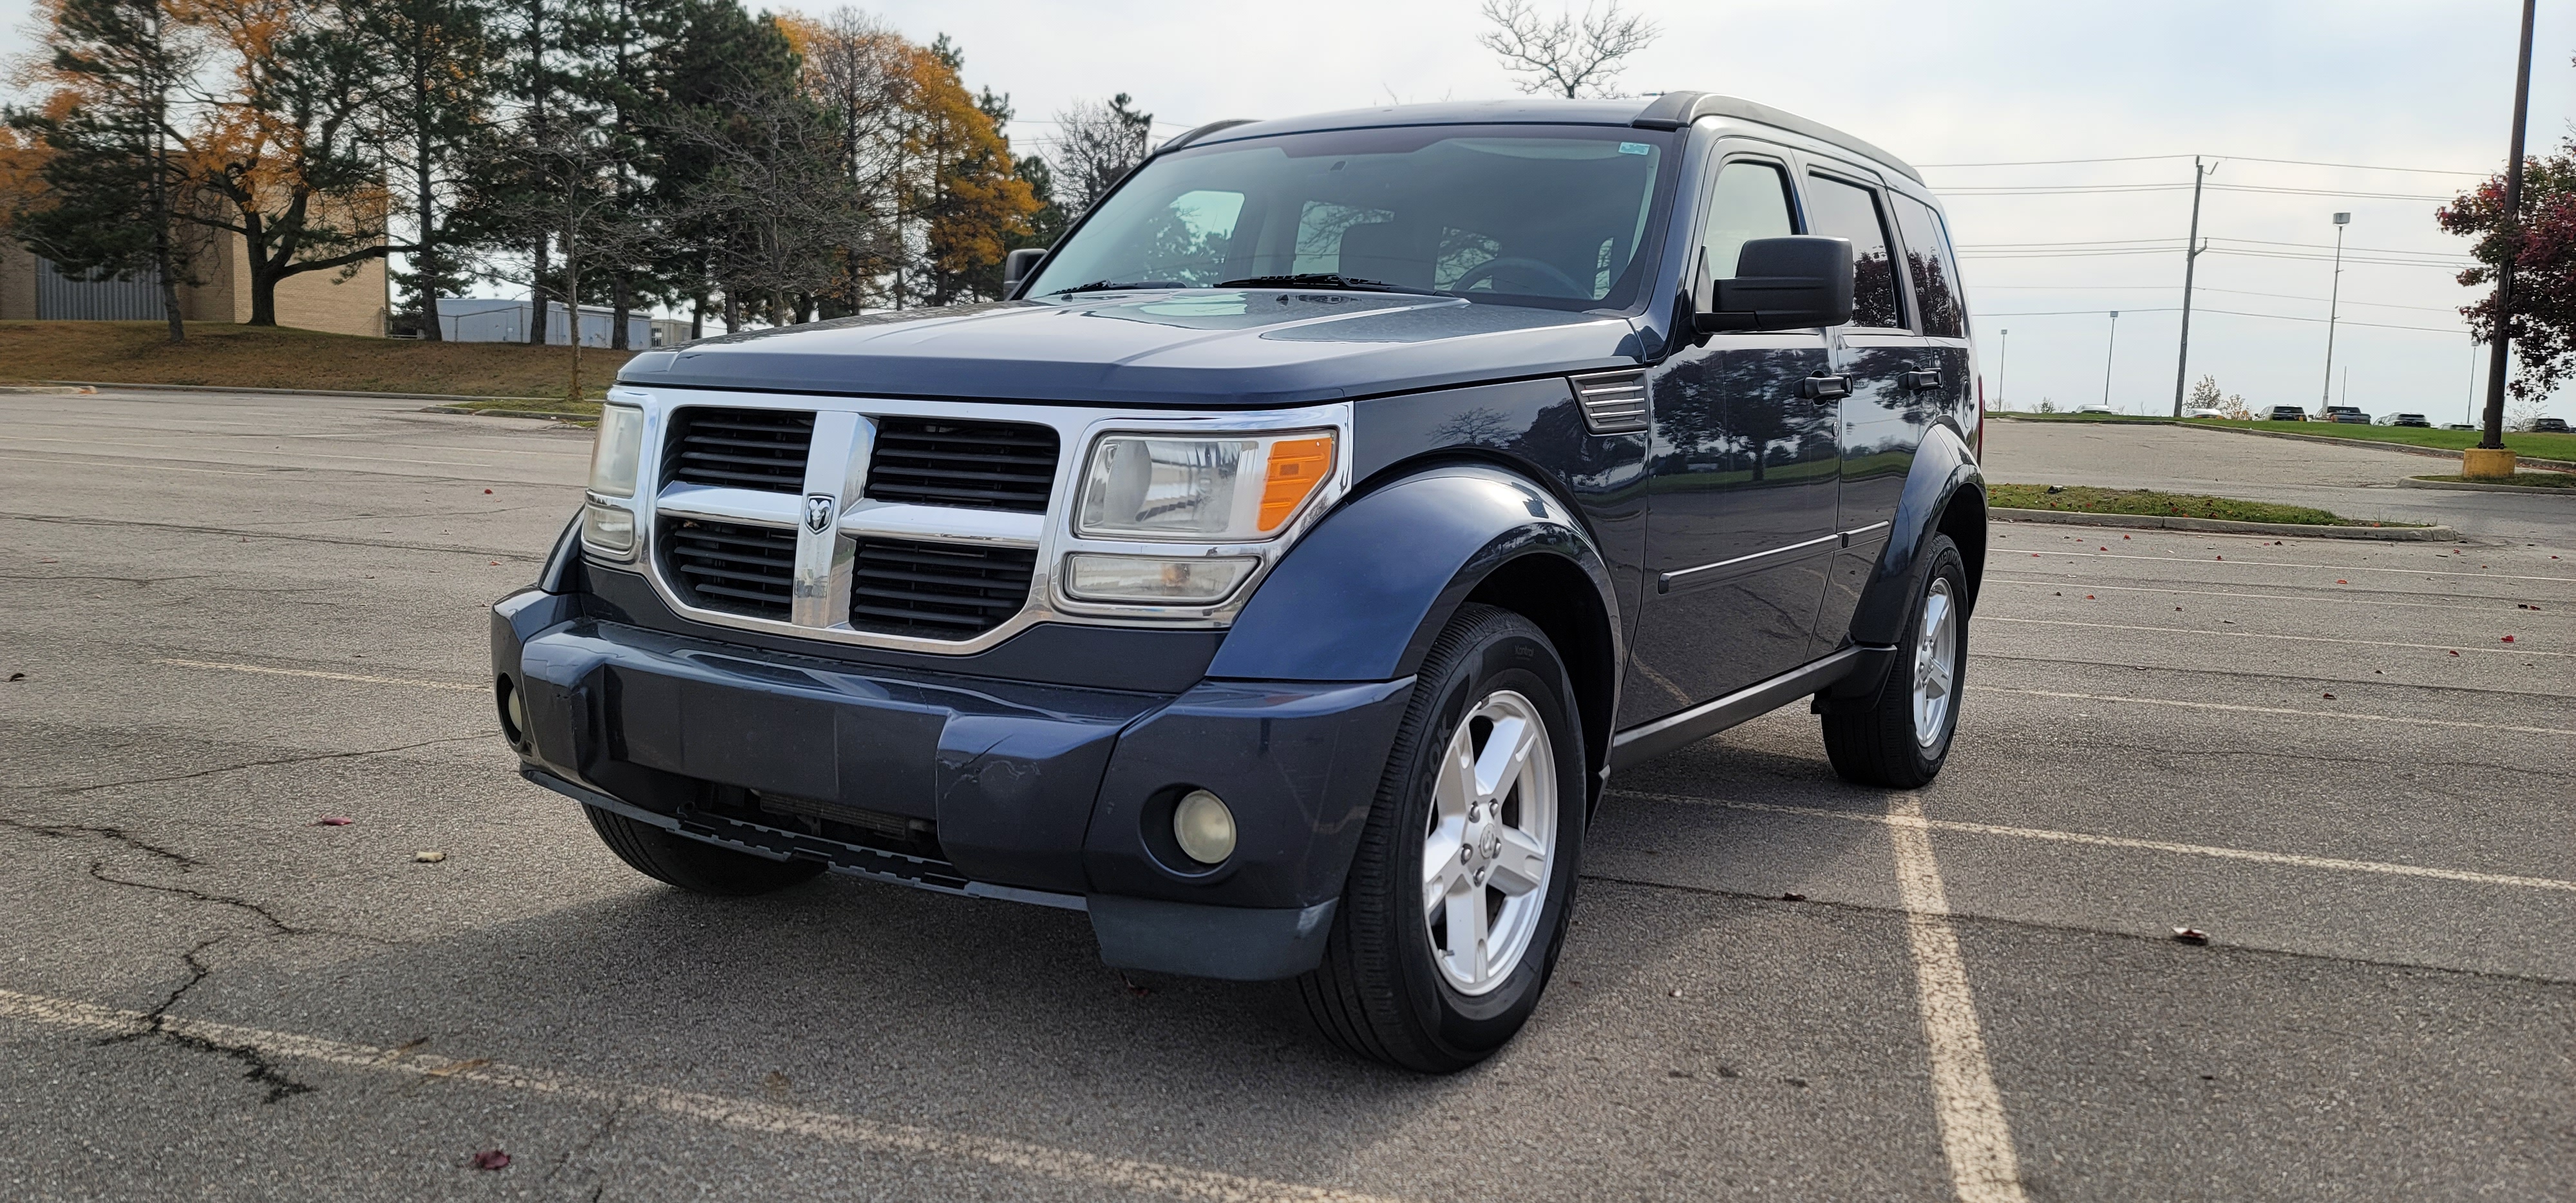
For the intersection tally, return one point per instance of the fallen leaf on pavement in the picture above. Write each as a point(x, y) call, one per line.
point(17, 676)
point(429, 858)
point(491, 1159)
point(333, 821)
point(2327, 696)
point(2191, 935)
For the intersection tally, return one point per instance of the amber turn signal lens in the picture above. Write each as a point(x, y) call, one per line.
point(1297, 468)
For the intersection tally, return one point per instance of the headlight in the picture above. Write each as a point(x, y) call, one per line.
point(620, 446)
point(1229, 489)
point(1203, 580)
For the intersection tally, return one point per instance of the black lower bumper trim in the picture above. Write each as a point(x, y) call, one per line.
point(871, 863)
point(1244, 944)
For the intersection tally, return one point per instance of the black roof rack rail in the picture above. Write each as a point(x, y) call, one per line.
point(1676, 110)
point(1188, 136)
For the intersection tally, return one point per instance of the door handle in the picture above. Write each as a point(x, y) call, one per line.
point(1821, 387)
point(1922, 379)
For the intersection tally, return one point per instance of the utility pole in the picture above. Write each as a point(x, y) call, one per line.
point(2106, 358)
point(2002, 358)
point(2334, 302)
point(2190, 259)
point(2489, 458)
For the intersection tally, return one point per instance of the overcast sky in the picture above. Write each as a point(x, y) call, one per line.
point(2392, 85)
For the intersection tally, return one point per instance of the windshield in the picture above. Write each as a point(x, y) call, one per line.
point(1526, 215)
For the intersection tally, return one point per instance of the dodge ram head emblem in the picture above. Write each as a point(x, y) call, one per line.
point(818, 513)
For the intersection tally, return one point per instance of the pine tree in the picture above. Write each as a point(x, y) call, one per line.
point(439, 61)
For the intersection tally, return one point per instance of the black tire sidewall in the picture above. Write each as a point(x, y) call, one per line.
point(1946, 564)
point(1515, 656)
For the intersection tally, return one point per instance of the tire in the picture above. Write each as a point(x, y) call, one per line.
point(1396, 983)
point(699, 868)
point(1884, 742)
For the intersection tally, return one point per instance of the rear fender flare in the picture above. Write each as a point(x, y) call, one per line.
point(1365, 594)
point(1943, 466)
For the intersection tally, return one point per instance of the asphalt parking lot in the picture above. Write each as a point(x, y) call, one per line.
point(237, 616)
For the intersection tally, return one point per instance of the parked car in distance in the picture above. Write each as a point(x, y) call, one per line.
point(2458, 426)
point(1277, 574)
point(2288, 413)
point(2095, 409)
point(2549, 426)
point(2411, 420)
point(2347, 414)
point(2197, 412)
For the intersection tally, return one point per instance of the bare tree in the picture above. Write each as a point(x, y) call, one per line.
point(793, 221)
point(1575, 57)
point(1096, 144)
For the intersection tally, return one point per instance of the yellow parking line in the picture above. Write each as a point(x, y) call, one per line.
point(1090, 1170)
point(1975, 1136)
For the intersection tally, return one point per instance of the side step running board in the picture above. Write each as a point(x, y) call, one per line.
point(1644, 742)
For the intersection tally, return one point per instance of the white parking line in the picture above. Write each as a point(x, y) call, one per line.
point(2483, 576)
point(1916, 820)
point(1090, 1170)
point(1975, 1136)
point(264, 670)
point(2425, 647)
point(2240, 709)
point(2331, 599)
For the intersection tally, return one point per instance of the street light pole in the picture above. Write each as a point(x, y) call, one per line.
point(2190, 259)
point(2334, 302)
point(2106, 358)
point(2489, 458)
point(2002, 358)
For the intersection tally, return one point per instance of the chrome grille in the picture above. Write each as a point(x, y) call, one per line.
point(738, 448)
point(937, 590)
point(733, 567)
point(1613, 402)
point(984, 465)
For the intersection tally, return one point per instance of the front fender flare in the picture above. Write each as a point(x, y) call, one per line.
point(1365, 594)
point(1943, 466)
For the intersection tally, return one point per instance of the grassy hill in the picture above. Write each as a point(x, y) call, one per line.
point(274, 357)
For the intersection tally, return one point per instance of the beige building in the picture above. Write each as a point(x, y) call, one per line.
point(30, 290)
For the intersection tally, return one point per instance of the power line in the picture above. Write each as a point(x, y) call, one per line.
point(2278, 317)
point(2264, 189)
point(2239, 158)
point(2241, 292)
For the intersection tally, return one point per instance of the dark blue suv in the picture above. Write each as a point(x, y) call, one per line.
point(1281, 572)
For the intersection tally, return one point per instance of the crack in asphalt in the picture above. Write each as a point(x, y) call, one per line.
point(306, 758)
point(256, 1066)
point(2080, 929)
point(607, 1126)
point(66, 831)
point(91, 576)
point(98, 872)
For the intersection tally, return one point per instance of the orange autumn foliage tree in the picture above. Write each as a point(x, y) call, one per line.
point(965, 196)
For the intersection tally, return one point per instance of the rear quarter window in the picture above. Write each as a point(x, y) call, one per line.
point(1935, 269)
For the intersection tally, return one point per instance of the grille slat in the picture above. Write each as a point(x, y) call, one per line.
point(937, 590)
point(981, 465)
point(733, 567)
point(740, 448)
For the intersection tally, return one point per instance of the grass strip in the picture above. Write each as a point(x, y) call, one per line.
point(2085, 499)
point(2542, 446)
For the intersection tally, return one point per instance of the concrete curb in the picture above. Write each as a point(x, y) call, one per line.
point(2220, 526)
point(2418, 482)
point(55, 390)
point(2330, 440)
point(283, 392)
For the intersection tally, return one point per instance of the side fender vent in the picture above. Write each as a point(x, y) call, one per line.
point(1613, 402)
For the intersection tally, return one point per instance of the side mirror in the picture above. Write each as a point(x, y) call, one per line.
point(1017, 265)
point(1781, 284)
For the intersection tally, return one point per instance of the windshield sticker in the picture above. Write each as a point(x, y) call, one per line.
point(1635, 148)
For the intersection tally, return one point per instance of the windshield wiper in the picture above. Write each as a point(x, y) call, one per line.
point(1119, 285)
point(1326, 280)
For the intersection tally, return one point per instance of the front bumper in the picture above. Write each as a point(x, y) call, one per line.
point(997, 788)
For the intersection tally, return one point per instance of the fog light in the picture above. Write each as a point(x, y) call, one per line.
point(1204, 827)
point(514, 713)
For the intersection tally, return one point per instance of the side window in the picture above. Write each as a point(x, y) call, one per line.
point(1839, 210)
point(1935, 271)
point(1751, 201)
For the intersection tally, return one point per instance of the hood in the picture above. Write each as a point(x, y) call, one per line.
point(1253, 347)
